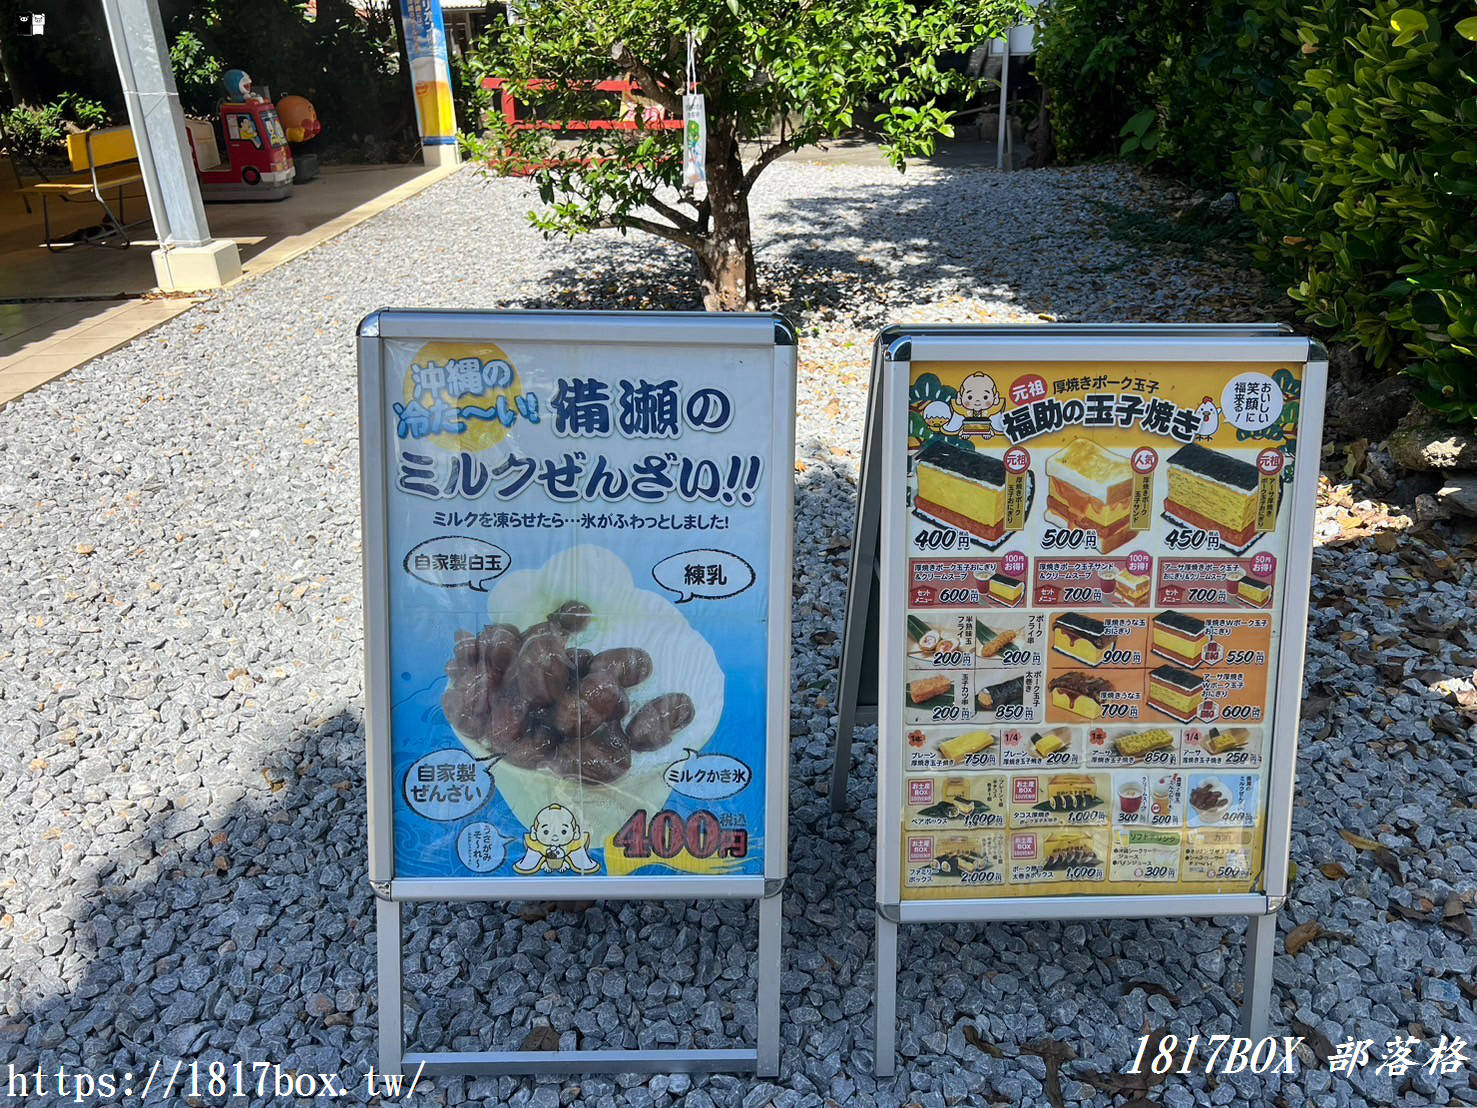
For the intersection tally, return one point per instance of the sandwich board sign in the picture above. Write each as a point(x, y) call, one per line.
point(1093, 547)
point(577, 536)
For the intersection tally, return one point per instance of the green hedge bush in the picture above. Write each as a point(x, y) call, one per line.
point(1349, 133)
point(40, 134)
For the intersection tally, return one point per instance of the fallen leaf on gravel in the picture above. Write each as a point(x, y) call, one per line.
point(1054, 1053)
point(1411, 914)
point(1386, 542)
point(1385, 858)
point(1121, 1084)
point(823, 638)
point(1317, 1041)
point(1447, 725)
point(1359, 842)
point(1152, 988)
point(1302, 935)
point(1454, 916)
point(1314, 705)
point(1333, 871)
point(541, 1038)
point(979, 1042)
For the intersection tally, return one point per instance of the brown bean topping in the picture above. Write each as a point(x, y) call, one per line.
point(630, 665)
point(542, 670)
point(572, 615)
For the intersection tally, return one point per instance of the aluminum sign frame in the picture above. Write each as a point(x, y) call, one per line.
point(759, 331)
point(879, 513)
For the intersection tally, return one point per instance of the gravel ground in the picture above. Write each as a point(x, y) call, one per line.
point(182, 696)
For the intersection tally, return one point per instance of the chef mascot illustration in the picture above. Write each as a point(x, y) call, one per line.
point(976, 400)
point(556, 844)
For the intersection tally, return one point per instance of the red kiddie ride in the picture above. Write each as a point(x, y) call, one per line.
point(258, 161)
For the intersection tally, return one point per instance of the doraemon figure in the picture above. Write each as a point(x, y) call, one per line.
point(238, 86)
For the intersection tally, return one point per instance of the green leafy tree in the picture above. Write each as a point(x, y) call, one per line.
point(1370, 208)
point(778, 75)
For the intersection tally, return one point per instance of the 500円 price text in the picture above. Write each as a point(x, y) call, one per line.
point(208, 1080)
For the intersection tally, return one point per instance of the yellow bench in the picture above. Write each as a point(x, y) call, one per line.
point(103, 158)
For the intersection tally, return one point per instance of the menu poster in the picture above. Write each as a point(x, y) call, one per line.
point(579, 597)
point(1096, 555)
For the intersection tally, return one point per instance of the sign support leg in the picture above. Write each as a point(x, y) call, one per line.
point(391, 1014)
point(858, 596)
point(884, 1008)
point(771, 918)
point(1256, 1001)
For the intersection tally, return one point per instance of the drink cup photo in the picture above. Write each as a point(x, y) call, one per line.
point(1130, 798)
point(1160, 802)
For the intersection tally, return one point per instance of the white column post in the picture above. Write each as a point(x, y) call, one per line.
point(187, 258)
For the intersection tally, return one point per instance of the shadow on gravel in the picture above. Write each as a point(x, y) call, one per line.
point(1033, 244)
point(208, 936)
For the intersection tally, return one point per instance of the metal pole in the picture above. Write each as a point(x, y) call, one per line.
point(884, 1006)
point(157, 121)
point(771, 919)
point(387, 948)
point(1256, 1000)
point(1004, 90)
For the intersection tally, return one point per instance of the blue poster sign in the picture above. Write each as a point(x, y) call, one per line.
point(579, 548)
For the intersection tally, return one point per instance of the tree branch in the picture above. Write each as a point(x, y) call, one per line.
point(680, 218)
point(646, 77)
point(763, 161)
point(651, 227)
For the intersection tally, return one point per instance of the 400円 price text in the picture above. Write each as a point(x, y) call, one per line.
point(211, 1081)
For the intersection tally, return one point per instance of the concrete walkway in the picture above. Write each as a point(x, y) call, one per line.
point(59, 310)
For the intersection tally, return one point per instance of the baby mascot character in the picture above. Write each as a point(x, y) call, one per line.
point(556, 844)
point(976, 400)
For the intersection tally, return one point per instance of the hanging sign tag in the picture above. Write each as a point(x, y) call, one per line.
point(694, 141)
point(694, 127)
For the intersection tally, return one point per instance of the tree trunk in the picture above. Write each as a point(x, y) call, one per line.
point(726, 258)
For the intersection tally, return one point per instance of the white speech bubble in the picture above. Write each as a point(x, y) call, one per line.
point(447, 785)
point(1251, 401)
point(457, 561)
point(703, 574)
point(482, 847)
point(708, 776)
